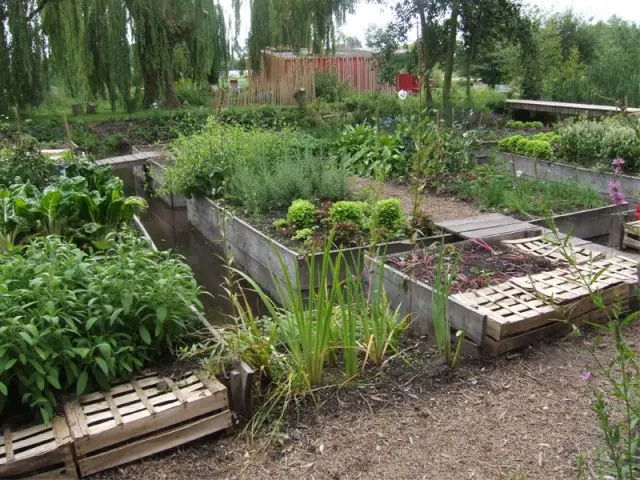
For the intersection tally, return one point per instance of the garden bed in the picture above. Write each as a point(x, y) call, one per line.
point(479, 263)
point(548, 170)
point(265, 258)
point(517, 311)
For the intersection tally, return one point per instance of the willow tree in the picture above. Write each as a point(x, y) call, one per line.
point(295, 24)
point(160, 26)
point(22, 81)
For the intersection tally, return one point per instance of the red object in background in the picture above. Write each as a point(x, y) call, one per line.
point(407, 82)
point(638, 211)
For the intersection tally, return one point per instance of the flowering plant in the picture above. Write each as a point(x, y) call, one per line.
point(615, 187)
point(637, 215)
point(402, 94)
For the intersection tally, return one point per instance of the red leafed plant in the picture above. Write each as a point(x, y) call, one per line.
point(637, 211)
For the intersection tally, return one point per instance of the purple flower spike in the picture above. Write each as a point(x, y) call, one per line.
point(586, 376)
point(618, 162)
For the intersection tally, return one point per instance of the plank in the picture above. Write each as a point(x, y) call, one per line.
point(471, 222)
point(155, 443)
point(498, 230)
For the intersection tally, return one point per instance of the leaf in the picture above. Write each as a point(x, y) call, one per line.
point(52, 378)
point(3, 389)
point(91, 322)
point(103, 365)
point(161, 313)
point(40, 382)
point(145, 335)
point(105, 349)
point(81, 386)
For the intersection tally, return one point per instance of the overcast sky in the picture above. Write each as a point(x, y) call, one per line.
point(367, 14)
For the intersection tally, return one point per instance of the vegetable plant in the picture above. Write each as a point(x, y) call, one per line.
point(70, 321)
point(301, 214)
point(349, 211)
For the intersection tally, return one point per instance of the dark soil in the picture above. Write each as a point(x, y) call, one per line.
point(479, 264)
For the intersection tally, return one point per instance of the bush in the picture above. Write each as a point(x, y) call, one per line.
point(348, 212)
point(538, 146)
point(367, 153)
point(203, 164)
point(23, 163)
point(329, 87)
point(189, 93)
point(519, 125)
point(388, 215)
point(301, 214)
point(73, 322)
point(590, 142)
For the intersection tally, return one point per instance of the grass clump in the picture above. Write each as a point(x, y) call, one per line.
point(493, 188)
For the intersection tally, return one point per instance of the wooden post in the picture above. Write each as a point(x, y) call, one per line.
point(616, 235)
point(241, 388)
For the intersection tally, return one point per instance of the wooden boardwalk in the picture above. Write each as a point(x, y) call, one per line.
point(564, 108)
point(132, 160)
point(484, 226)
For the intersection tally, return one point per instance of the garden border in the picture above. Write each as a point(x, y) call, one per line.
point(534, 167)
point(260, 255)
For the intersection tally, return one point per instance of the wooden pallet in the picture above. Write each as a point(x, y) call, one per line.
point(526, 309)
point(142, 417)
point(37, 452)
point(541, 247)
point(631, 238)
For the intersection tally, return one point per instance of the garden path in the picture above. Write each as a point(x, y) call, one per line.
point(439, 208)
point(526, 415)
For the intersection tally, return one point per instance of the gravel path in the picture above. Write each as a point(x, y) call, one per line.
point(439, 208)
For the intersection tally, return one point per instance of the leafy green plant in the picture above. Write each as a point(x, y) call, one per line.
point(21, 162)
point(366, 152)
point(589, 142)
point(303, 234)
point(302, 214)
point(349, 211)
point(82, 208)
point(388, 215)
point(73, 322)
point(520, 125)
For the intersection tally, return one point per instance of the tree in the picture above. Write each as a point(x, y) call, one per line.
point(448, 67)
point(391, 55)
point(295, 25)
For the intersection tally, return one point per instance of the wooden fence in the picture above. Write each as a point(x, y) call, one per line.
point(283, 75)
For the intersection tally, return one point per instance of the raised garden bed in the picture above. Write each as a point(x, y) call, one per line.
point(547, 170)
point(517, 311)
point(264, 257)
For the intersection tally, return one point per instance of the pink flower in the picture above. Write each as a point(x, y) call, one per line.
point(615, 192)
point(586, 376)
point(618, 162)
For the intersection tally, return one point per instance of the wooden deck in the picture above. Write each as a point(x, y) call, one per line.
point(132, 160)
point(484, 226)
point(564, 108)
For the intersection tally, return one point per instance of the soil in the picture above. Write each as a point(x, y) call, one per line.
point(525, 415)
point(439, 208)
point(479, 264)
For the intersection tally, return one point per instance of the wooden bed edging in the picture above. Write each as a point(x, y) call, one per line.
point(264, 258)
point(547, 170)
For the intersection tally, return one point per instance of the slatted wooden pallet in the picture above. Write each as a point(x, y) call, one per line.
point(541, 247)
point(144, 416)
point(631, 237)
point(525, 309)
point(37, 452)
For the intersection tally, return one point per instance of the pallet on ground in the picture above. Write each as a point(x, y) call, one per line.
point(631, 237)
point(542, 247)
point(145, 416)
point(37, 452)
point(526, 309)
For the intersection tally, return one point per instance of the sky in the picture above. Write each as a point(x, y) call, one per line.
point(367, 14)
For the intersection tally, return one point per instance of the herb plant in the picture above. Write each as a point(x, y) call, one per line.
point(73, 322)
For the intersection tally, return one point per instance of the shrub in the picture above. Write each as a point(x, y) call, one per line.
point(348, 212)
point(519, 125)
point(302, 214)
point(590, 142)
point(329, 87)
point(203, 164)
point(365, 152)
point(23, 163)
point(388, 215)
point(538, 146)
point(189, 93)
point(73, 322)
